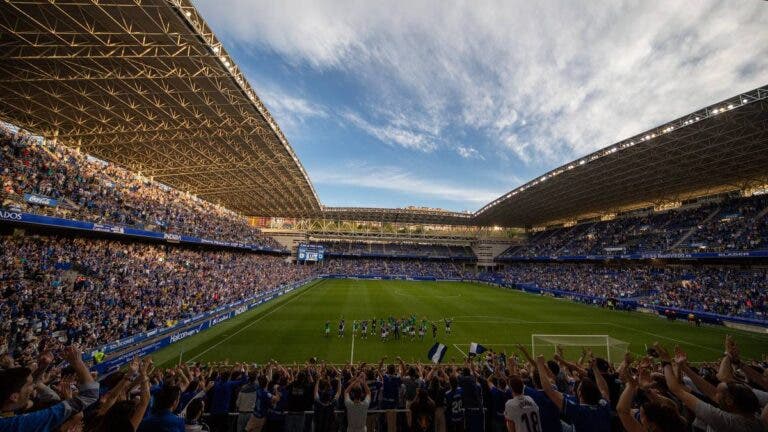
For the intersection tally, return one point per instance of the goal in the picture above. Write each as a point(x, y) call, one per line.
point(604, 346)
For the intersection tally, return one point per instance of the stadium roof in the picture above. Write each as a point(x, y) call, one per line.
point(148, 86)
point(721, 147)
point(406, 215)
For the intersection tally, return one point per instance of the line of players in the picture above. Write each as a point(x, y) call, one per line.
point(391, 328)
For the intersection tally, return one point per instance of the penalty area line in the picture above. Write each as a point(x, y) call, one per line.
point(460, 350)
point(352, 351)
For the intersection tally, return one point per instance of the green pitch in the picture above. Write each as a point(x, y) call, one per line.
point(291, 328)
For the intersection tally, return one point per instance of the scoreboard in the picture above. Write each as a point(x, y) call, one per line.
point(310, 252)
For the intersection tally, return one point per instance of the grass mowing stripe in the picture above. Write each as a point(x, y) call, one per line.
point(168, 355)
point(242, 329)
point(665, 337)
point(292, 329)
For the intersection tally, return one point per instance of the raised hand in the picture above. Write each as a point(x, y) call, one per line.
point(731, 349)
point(72, 355)
point(663, 353)
point(681, 357)
point(627, 377)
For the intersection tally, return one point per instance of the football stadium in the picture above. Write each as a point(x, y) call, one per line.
point(475, 263)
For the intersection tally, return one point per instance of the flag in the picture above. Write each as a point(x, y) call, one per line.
point(437, 352)
point(475, 349)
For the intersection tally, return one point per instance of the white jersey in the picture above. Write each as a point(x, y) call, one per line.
point(523, 412)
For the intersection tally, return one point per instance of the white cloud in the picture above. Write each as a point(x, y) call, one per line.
point(469, 153)
point(396, 179)
point(290, 110)
point(390, 133)
point(543, 81)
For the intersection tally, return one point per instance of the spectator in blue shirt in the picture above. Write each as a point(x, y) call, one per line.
point(17, 387)
point(591, 410)
point(162, 418)
point(221, 396)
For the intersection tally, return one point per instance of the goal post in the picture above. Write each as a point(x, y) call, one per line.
point(604, 346)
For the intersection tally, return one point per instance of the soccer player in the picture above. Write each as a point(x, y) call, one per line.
point(412, 331)
point(341, 327)
point(354, 328)
point(373, 326)
point(521, 413)
point(434, 331)
point(327, 328)
point(422, 330)
point(384, 333)
point(448, 322)
point(364, 329)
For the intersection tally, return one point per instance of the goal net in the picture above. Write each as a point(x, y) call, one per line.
point(603, 346)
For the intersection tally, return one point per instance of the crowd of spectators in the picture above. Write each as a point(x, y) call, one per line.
point(732, 291)
point(96, 191)
point(660, 392)
point(93, 291)
point(412, 250)
point(733, 224)
point(395, 267)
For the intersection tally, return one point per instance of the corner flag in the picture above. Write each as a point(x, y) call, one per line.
point(437, 352)
point(475, 349)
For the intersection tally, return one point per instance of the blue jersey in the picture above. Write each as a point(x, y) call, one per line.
point(263, 402)
point(45, 419)
point(454, 400)
point(587, 417)
point(499, 398)
point(549, 414)
point(375, 387)
point(390, 391)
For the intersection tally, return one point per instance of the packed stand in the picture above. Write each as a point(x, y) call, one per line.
point(410, 250)
point(92, 190)
point(395, 267)
point(739, 224)
point(660, 391)
point(730, 291)
point(91, 291)
point(735, 224)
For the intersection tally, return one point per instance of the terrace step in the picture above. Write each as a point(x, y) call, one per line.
point(694, 229)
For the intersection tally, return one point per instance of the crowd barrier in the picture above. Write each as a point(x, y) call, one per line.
point(375, 422)
point(209, 319)
point(640, 256)
point(400, 256)
point(183, 329)
point(631, 304)
point(71, 224)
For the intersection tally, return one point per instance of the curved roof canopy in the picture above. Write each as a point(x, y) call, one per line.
point(148, 86)
point(718, 148)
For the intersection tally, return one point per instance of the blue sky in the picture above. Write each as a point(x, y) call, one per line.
point(451, 104)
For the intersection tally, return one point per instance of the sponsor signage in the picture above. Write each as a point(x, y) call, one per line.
point(175, 334)
point(40, 200)
point(9, 215)
point(35, 219)
point(108, 228)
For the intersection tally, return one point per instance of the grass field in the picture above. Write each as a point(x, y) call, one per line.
point(291, 328)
